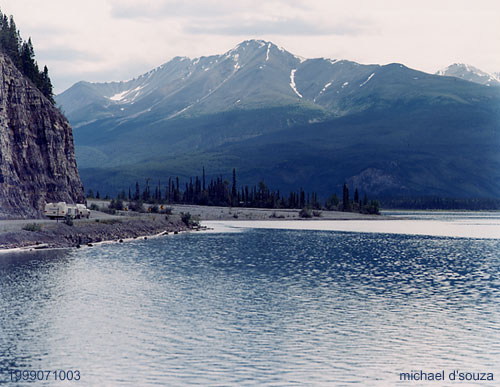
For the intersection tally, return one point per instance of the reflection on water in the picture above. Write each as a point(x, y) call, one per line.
point(445, 224)
point(259, 307)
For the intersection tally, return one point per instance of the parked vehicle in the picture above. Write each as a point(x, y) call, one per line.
point(83, 211)
point(56, 210)
point(62, 209)
point(72, 211)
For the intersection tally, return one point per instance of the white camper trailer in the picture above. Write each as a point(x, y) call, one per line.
point(56, 210)
point(62, 209)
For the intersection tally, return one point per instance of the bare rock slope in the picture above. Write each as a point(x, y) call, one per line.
point(37, 158)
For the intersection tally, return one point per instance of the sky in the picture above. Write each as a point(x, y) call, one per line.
point(117, 40)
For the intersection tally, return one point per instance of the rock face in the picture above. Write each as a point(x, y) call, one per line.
point(37, 158)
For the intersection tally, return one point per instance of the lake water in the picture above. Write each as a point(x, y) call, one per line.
point(247, 305)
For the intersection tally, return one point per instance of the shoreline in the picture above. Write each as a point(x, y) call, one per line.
point(105, 228)
point(89, 233)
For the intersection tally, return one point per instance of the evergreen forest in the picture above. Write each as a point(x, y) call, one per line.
point(22, 54)
point(221, 192)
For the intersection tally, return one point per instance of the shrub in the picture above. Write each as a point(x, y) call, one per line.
point(33, 227)
point(108, 210)
point(317, 214)
point(136, 206)
point(188, 220)
point(116, 204)
point(68, 220)
point(373, 207)
point(305, 213)
point(94, 207)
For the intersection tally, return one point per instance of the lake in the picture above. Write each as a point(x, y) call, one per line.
point(268, 303)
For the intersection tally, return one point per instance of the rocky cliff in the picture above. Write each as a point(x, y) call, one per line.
point(37, 158)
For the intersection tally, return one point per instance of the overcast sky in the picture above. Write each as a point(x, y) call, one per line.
point(112, 40)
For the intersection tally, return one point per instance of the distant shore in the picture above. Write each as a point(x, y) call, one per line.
point(243, 213)
point(45, 233)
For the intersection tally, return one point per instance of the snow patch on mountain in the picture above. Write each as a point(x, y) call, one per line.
point(323, 90)
point(365, 82)
point(127, 95)
point(292, 83)
point(236, 58)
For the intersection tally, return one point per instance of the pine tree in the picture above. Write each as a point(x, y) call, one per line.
point(137, 191)
point(22, 55)
point(204, 189)
point(346, 206)
point(234, 192)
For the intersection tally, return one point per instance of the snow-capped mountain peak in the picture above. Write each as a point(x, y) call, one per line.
point(470, 73)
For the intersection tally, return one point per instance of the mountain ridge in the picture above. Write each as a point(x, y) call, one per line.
point(209, 107)
point(471, 74)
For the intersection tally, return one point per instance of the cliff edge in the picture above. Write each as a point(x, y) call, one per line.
point(37, 156)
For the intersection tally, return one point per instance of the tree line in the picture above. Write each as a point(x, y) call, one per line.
point(22, 54)
point(221, 192)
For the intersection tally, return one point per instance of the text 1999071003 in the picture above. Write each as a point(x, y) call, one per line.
point(34, 375)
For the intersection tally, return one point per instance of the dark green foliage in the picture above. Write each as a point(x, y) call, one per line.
point(94, 207)
point(346, 204)
point(68, 220)
point(373, 208)
point(108, 210)
point(23, 55)
point(332, 203)
point(233, 192)
point(356, 196)
point(116, 204)
point(33, 227)
point(137, 206)
point(188, 220)
point(220, 193)
point(305, 213)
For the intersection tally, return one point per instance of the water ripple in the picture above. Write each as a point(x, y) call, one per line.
point(266, 307)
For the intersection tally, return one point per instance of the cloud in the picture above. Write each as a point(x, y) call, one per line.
point(242, 18)
point(117, 39)
point(293, 26)
point(64, 53)
point(156, 10)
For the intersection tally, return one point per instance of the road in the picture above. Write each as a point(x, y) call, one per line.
point(18, 224)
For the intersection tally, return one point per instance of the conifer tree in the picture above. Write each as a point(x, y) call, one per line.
point(346, 206)
point(22, 55)
point(234, 192)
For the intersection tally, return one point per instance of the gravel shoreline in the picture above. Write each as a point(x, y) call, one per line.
point(60, 235)
point(126, 225)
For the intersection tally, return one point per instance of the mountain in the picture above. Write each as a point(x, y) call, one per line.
point(316, 123)
point(471, 74)
point(37, 158)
